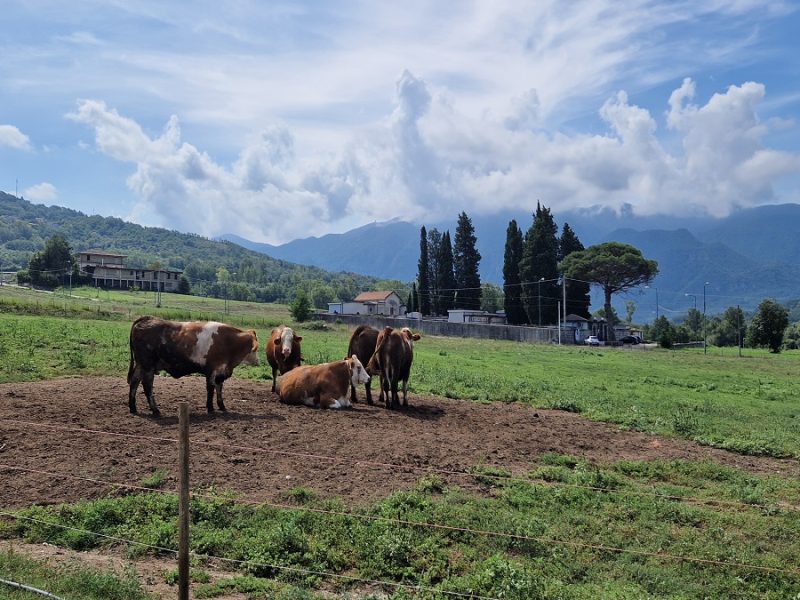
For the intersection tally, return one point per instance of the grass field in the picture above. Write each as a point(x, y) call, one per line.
point(712, 398)
point(749, 404)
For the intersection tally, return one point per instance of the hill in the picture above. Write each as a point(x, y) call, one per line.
point(24, 228)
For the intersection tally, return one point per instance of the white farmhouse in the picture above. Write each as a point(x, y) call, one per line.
point(386, 303)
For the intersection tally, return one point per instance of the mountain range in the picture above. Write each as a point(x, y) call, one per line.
point(744, 258)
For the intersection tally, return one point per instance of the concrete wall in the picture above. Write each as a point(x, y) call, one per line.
point(516, 333)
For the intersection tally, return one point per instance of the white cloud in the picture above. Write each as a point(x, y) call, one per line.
point(12, 137)
point(428, 160)
point(41, 192)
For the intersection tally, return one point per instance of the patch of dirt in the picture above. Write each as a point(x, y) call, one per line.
point(261, 448)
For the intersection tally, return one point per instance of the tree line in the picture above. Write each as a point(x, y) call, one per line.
point(540, 270)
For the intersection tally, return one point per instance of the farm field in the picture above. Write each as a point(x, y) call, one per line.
point(494, 483)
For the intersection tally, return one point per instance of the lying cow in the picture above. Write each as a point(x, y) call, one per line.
point(362, 344)
point(394, 353)
point(181, 348)
point(322, 386)
point(283, 351)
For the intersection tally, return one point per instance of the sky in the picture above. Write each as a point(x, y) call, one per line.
point(282, 120)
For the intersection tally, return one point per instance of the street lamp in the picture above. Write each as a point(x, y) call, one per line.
point(540, 301)
point(647, 287)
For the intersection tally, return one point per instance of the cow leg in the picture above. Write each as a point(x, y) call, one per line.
point(219, 381)
point(134, 380)
point(368, 388)
point(353, 393)
point(385, 396)
point(405, 392)
point(274, 377)
point(395, 398)
point(210, 388)
point(147, 384)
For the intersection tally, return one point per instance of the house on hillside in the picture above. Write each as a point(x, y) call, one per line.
point(386, 303)
point(109, 270)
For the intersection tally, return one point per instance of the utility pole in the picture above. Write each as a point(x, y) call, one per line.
point(564, 297)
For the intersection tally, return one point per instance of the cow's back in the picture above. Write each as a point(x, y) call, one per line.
point(363, 343)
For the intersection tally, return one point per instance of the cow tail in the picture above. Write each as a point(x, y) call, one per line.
point(130, 364)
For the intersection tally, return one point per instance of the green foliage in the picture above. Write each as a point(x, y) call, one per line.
point(466, 260)
point(512, 300)
point(52, 265)
point(613, 266)
point(258, 277)
point(538, 269)
point(491, 297)
point(68, 580)
point(578, 298)
point(424, 274)
point(542, 518)
point(768, 326)
point(301, 307)
point(445, 275)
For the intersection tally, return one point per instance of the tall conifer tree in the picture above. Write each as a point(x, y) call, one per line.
point(466, 259)
point(445, 280)
point(539, 269)
point(423, 274)
point(512, 300)
point(434, 250)
point(578, 299)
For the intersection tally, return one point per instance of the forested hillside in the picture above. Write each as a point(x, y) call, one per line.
point(24, 228)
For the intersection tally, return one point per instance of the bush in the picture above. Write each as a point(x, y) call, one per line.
point(301, 307)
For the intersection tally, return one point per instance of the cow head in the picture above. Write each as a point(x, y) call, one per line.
point(411, 337)
point(252, 357)
point(286, 340)
point(358, 374)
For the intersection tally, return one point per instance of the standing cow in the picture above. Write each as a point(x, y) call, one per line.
point(322, 386)
point(283, 351)
point(394, 353)
point(362, 344)
point(180, 348)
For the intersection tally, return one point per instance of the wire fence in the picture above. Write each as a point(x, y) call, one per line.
point(396, 467)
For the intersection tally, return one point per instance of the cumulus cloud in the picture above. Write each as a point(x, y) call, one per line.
point(12, 137)
point(41, 192)
point(428, 160)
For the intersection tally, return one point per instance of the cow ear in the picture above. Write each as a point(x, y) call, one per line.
point(298, 338)
point(416, 336)
point(277, 341)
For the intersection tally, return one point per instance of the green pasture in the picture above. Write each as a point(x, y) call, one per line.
point(560, 528)
point(564, 516)
point(750, 404)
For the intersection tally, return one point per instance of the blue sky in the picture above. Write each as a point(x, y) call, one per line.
point(278, 120)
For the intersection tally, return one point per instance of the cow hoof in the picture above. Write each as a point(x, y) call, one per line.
point(156, 413)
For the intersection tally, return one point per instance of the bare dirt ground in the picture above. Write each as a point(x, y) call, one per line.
point(64, 431)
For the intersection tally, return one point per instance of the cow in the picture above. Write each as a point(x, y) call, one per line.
point(394, 353)
point(362, 344)
point(180, 348)
point(283, 351)
point(322, 386)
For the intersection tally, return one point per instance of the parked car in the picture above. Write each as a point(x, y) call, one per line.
point(592, 340)
point(631, 339)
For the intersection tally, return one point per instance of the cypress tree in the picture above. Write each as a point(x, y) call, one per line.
point(434, 250)
point(445, 279)
point(539, 269)
point(423, 274)
point(578, 299)
point(466, 259)
point(512, 301)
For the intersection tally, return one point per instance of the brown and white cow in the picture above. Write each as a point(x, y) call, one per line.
point(362, 344)
point(283, 351)
point(394, 353)
point(322, 386)
point(180, 348)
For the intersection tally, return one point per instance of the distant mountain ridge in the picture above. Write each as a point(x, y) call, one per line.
point(745, 257)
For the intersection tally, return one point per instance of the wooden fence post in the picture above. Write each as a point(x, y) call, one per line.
point(183, 507)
